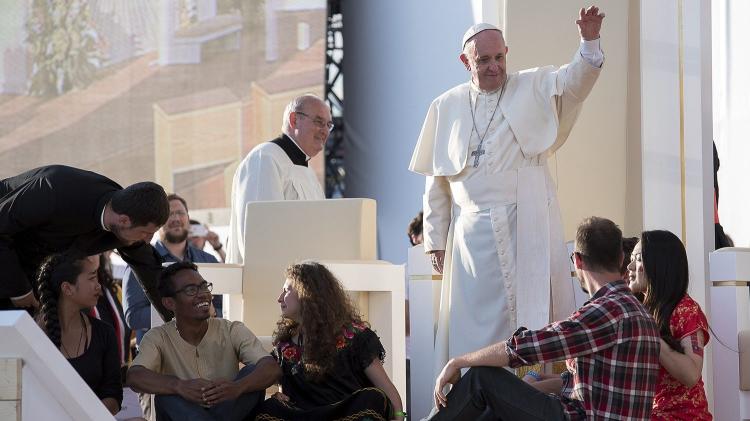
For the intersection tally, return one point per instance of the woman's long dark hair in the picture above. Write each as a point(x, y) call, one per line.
point(325, 309)
point(666, 266)
point(55, 270)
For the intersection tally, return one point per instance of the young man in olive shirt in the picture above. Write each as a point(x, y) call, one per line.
point(191, 363)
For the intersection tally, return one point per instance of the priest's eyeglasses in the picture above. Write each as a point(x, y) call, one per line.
point(317, 121)
point(192, 289)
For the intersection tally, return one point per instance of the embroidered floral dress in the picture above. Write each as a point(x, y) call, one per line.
point(673, 400)
point(343, 394)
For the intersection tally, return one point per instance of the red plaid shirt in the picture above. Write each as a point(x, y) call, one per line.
point(612, 349)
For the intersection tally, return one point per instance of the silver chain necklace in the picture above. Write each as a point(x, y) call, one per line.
point(84, 334)
point(479, 151)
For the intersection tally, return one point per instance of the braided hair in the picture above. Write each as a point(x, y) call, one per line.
point(55, 270)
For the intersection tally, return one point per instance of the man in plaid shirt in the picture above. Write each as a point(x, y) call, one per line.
point(611, 345)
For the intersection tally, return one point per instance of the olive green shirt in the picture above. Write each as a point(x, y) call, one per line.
point(217, 356)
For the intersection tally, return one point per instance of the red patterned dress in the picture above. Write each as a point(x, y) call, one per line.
point(673, 400)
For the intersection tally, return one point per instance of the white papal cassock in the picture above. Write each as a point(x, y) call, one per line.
point(275, 170)
point(500, 222)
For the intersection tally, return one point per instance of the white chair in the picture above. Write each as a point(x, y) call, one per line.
point(730, 322)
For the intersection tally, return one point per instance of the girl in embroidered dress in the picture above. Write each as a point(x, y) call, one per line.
point(331, 360)
point(659, 272)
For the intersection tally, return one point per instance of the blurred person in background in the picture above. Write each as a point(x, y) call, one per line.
point(415, 229)
point(199, 235)
point(109, 309)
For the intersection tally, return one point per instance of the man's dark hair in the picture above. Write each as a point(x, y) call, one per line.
point(415, 227)
point(166, 278)
point(175, 196)
point(599, 243)
point(143, 203)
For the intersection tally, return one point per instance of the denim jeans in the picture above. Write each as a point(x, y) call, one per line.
point(176, 408)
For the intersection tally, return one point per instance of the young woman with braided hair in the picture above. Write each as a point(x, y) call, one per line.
point(332, 363)
point(68, 283)
point(658, 271)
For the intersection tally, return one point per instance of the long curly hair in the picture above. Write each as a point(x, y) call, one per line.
point(55, 270)
point(666, 266)
point(324, 309)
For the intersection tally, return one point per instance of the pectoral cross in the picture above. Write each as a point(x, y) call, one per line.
point(477, 153)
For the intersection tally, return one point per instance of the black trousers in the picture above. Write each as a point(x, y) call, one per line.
point(490, 393)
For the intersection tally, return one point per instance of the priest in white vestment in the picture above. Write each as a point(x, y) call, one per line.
point(277, 170)
point(491, 218)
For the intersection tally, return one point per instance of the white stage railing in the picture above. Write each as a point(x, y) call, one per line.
point(50, 388)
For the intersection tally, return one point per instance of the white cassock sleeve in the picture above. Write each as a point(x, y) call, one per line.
point(259, 179)
point(591, 52)
point(437, 205)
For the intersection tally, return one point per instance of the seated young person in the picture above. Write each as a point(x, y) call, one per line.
point(611, 345)
point(551, 383)
point(659, 270)
point(191, 363)
point(331, 361)
point(67, 284)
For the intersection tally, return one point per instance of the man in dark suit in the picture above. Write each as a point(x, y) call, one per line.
point(55, 208)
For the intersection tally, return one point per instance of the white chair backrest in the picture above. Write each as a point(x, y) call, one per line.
point(280, 233)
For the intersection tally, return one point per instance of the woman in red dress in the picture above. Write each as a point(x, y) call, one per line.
point(658, 271)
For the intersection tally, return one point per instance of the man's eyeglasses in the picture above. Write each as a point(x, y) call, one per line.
point(178, 213)
point(573, 256)
point(192, 289)
point(317, 121)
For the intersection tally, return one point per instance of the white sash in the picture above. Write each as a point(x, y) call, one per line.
point(530, 189)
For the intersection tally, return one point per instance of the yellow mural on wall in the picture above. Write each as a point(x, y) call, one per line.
point(175, 91)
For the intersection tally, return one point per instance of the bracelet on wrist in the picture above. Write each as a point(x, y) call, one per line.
point(534, 374)
point(402, 414)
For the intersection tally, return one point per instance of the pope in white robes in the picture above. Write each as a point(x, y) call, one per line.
point(491, 217)
point(277, 170)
